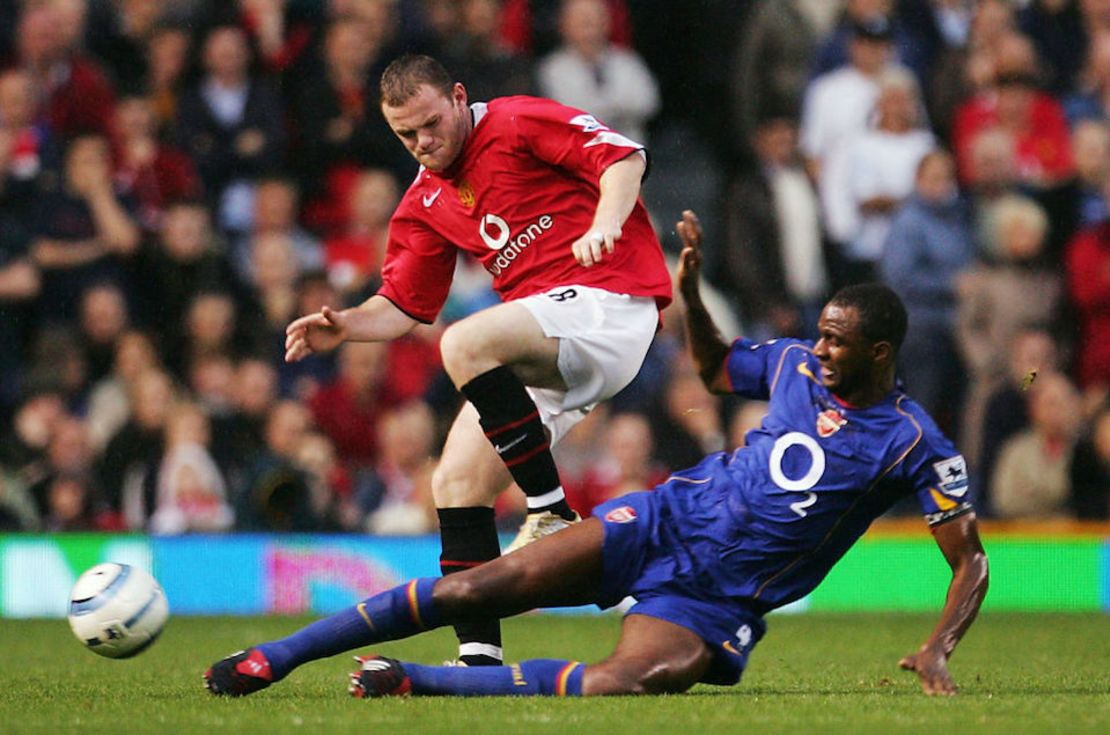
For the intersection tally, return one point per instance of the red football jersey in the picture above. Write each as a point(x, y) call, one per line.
point(524, 189)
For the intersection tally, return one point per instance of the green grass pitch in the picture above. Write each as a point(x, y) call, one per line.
point(811, 674)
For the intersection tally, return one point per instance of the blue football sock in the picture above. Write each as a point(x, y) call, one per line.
point(397, 613)
point(543, 677)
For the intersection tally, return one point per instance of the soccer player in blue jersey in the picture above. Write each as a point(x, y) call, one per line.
point(710, 551)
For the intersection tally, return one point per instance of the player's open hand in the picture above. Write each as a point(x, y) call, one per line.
point(325, 330)
point(595, 244)
point(689, 260)
point(932, 670)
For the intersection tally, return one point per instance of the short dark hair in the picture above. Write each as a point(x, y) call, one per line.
point(402, 79)
point(882, 316)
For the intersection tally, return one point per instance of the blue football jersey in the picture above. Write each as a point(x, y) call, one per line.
point(781, 511)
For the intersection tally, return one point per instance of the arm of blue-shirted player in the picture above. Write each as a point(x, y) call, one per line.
point(619, 187)
point(375, 320)
point(707, 347)
point(958, 540)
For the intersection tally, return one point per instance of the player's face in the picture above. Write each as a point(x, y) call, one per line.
point(432, 127)
point(845, 354)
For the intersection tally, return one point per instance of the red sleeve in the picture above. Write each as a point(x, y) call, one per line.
point(418, 268)
point(568, 138)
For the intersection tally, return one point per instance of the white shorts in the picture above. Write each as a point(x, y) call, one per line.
point(603, 338)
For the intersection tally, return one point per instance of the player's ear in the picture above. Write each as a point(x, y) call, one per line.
point(458, 94)
point(882, 352)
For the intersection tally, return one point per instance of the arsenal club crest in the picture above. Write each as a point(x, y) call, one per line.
point(466, 194)
point(829, 422)
point(623, 514)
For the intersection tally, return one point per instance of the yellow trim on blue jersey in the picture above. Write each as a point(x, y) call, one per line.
point(942, 502)
point(782, 359)
point(361, 607)
point(797, 560)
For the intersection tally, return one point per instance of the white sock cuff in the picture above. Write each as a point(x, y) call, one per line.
point(481, 649)
point(547, 498)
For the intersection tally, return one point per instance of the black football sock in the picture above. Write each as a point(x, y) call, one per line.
point(469, 538)
point(512, 423)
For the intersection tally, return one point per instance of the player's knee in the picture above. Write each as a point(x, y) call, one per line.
point(460, 347)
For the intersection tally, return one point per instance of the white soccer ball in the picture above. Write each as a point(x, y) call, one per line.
point(117, 610)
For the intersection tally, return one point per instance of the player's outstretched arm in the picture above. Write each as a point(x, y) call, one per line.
point(959, 541)
point(707, 347)
point(375, 320)
point(619, 188)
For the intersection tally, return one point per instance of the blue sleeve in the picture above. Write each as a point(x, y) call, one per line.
point(753, 367)
point(938, 474)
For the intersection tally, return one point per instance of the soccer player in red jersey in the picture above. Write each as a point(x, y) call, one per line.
point(546, 197)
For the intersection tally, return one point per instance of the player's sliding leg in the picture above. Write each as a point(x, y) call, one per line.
point(558, 570)
point(467, 479)
point(652, 657)
point(490, 356)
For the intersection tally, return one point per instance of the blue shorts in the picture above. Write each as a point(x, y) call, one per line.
point(638, 561)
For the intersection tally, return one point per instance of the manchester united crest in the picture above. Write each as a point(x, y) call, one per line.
point(466, 194)
point(829, 422)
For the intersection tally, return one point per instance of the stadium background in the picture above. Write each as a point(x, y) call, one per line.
point(308, 487)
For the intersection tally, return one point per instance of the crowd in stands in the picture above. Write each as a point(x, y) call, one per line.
point(181, 178)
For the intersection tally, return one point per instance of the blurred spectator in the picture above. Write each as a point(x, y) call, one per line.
point(626, 464)
point(275, 493)
point(995, 182)
point(238, 433)
point(23, 449)
point(747, 417)
point(998, 299)
point(354, 256)
point(398, 493)
point(274, 271)
point(109, 404)
point(1056, 28)
point(587, 72)
point(127, 470)
point(772, 64)
point(928, 245)
point(348, 408)
point(1088, 273)
point(330, 484)
point(773, 261)
point(70, 459)
point(1090, 142)
point(167, 57)
point(186, 259)
point(104, 318)
point(477, 54)
point(118, 35)
point(23, 147)
point(58, 361)
point(275, 207)
point(531, 27)
point(1035, 121)
point(210, 328)
point(231, 125)
point(690, 426)
point(83, 228)
point(869, 174)
point(191, 495)
point(152, 173)
point(1091, 97)
point(835, 48)
point(972, 30)
point(17, 508)
point(1031, 478)
point(340, 126)
point(73, 94)
point(1090, 471)
point(838, 104)
point(69, 505)
point(1033, 352)
point(281, 31)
